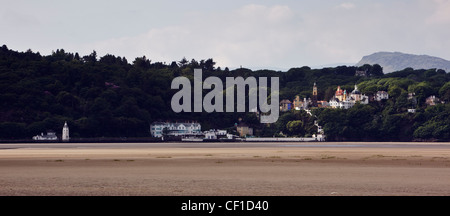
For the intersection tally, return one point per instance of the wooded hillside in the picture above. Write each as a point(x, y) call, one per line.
point(109, 96)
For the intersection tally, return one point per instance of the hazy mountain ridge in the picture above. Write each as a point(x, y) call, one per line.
point(395, 61)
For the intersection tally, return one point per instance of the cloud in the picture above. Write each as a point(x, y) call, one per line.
point(272, 15)
point(441, 13)
point(251, 35)
point(347, 5)
point(285, 36)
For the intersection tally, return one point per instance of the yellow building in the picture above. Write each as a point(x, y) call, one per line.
point(243, 130)
point(297, 103)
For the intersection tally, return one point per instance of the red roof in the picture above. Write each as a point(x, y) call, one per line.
point(339, 91)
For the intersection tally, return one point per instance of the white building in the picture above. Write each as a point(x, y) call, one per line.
point(65, 133)
point(344, 101)
point(320, 136)
point(432, 100)
point(215, 134)
point(345, 104)
point(157, 129)
point(50, 136)
point(210, 135)
point(382, 95)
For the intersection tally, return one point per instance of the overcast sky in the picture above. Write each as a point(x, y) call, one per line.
point(247, 33)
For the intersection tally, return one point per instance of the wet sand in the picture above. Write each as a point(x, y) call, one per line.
point(257, 171)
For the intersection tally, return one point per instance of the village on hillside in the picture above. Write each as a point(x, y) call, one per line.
point(342, 99)
point(192, 130)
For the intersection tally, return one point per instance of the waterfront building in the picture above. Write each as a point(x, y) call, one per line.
point(215, 134)
point(158, 129)
point(50, 136)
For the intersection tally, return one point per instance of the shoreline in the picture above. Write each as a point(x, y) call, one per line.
point(236, 171)
point(223, 144)
point(178, 139)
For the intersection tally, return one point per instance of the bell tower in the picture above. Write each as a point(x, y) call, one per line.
point(314, 97)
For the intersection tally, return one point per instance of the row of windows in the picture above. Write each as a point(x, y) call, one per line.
point(173, 128)
point(192, 126)
point(153, 129)
point(174, 132)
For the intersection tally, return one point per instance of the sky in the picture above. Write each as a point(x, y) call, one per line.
point(235, 33)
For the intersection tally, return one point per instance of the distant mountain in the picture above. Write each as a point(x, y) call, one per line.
point(395, 61)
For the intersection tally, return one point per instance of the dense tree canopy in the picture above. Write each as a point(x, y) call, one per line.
point(111, 97)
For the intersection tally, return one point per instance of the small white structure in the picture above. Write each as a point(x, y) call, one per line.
point(231, 136)
point(65, 133)
point(382, 95)
point(210, 135)
point(432, 100)
point(215, 134)
point(50, 136)
point(320, 136)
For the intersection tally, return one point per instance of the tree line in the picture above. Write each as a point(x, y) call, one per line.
point(109, 96)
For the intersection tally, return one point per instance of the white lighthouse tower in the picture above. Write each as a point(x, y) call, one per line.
point(65, 133)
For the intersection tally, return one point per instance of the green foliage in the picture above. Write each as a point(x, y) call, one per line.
point(111, 97)
point(334, 123)
point(295, 128)
point(436, 123)
point(372, 70)
point(444, 92)
point(422, 90)
point(389, 120)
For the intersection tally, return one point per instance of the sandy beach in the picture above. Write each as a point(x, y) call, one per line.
point(257, 171)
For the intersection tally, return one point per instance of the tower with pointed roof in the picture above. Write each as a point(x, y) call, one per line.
point(65, 133)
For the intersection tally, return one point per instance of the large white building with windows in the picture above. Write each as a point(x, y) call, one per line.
point(50, 136)
point(157, 129)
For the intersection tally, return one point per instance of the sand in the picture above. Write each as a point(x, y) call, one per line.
point(262, 171)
